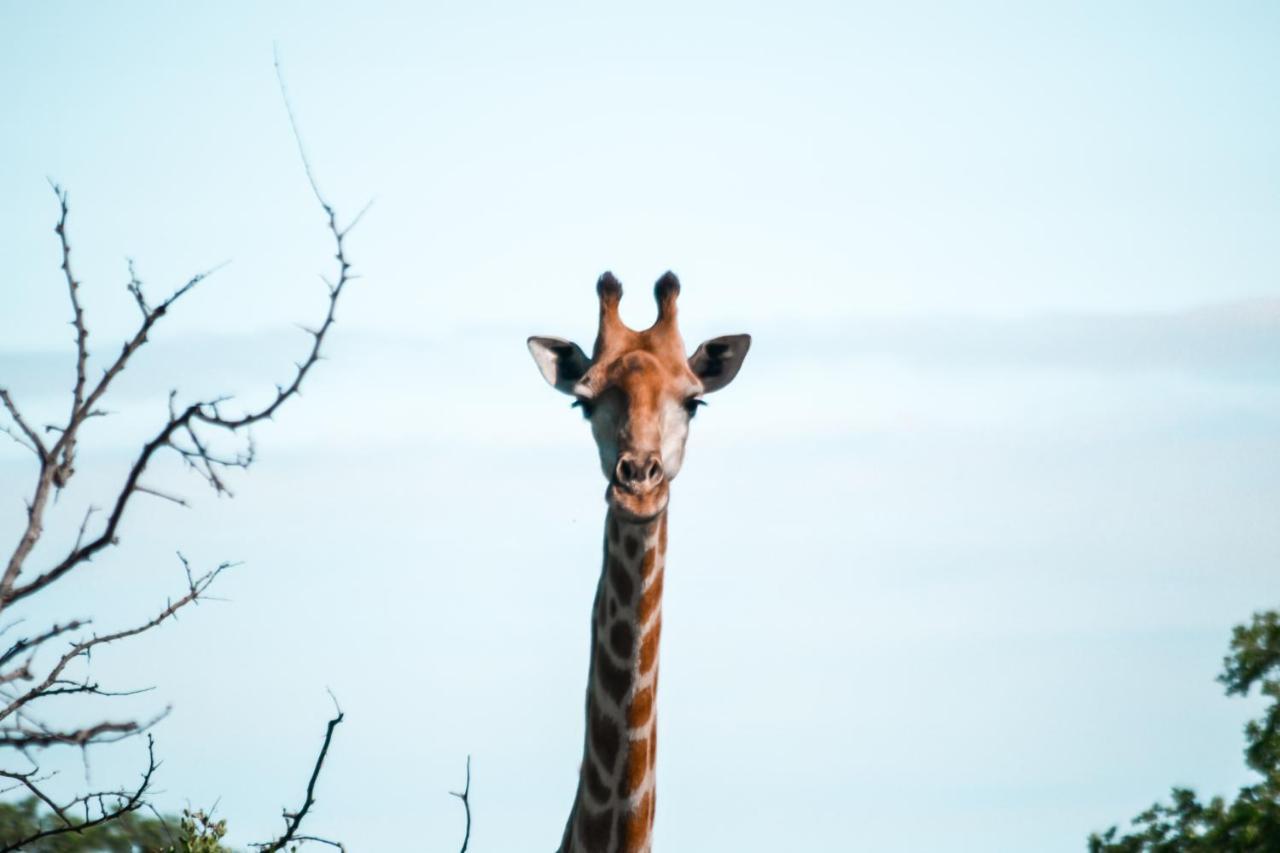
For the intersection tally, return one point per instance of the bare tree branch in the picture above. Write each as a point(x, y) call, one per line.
point(317, 840)
point(110, 805)
point(293, 820)
point(208, 437)
point(68, 445)
point(28, 781)
point(195, 588)
point(29, 643)
point(105, 732)
point(183, 424)
point(32, 436)
point(56, 463)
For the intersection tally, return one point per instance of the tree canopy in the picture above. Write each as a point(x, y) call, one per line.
point(193, 832)
point(1250, 823)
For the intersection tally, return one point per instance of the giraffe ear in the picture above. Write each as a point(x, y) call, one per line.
point(562, 362)
point(718, 360)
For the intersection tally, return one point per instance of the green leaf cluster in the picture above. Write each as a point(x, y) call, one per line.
point(1250, 823)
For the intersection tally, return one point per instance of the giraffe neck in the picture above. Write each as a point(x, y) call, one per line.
point(613, 809)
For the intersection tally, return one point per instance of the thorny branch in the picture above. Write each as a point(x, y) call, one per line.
point(36, 667)
point(293, 820)
point(82, 334)
point(46, 686)
point(94, 808)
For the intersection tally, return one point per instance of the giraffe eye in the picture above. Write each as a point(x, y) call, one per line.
point(692, 405)
point(585, 405)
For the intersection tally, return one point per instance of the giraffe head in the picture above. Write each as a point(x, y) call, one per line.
point(639, 391)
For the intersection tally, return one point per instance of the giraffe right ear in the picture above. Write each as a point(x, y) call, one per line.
point(562, 362)
point(718, 360)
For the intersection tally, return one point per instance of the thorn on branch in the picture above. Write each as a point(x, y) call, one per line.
point(147, 490)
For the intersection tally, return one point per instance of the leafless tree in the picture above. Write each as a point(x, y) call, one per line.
point(210, 436)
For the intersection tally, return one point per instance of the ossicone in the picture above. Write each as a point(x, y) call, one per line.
point(608, 288)
point(665, 293)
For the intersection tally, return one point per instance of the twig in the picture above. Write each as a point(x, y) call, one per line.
point(293, 820)
point(32, 435)
point(68, 444)
point(147, 490)
point(195, 588)
point(124, 802)
point(465, 796)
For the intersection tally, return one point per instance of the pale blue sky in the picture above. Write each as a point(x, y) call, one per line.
point(953, 563)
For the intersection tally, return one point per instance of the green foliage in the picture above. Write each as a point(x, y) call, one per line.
point(199, 833)
point(194, 832)
point(1251, 822)
point(1256, 658)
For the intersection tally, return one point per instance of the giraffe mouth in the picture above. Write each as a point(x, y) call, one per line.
point(635, 506)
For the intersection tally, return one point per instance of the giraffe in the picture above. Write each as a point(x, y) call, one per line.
point(639, 392)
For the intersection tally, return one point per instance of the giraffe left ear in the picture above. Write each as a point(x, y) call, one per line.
point(718, 360)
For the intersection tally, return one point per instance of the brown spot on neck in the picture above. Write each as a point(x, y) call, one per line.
point(605, 737)
point(637, 768)
point(622, 639)
point(641, 707)
point(620, 580)
point(616, 680)
point(649, 647)
point(646, 565)
point(650, 599)
point(594, 829)
point(634, 827)
point(596, 786)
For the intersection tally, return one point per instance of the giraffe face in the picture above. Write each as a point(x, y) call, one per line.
point(639, 391)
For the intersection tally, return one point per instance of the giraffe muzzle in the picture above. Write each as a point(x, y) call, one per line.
point(639, 489)
point(639, 473)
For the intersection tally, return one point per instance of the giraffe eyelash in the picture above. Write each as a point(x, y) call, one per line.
point(585, 405)
point(693, 404)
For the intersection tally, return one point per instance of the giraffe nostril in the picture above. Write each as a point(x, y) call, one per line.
point(641, 471)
